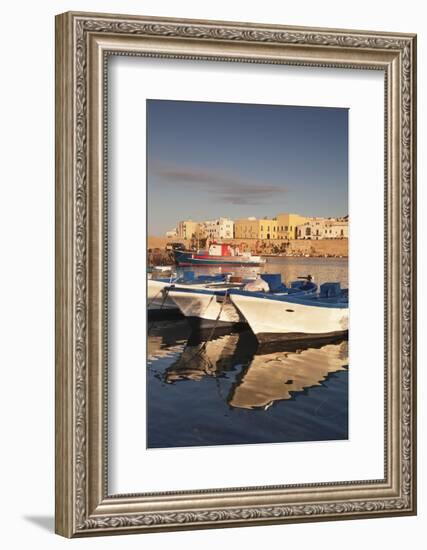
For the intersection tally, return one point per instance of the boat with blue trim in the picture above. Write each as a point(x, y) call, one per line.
point(217, 254)
point(276, 316)
point(211, 307)
point(160, 304)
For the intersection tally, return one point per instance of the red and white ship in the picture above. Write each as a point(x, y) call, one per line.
point(217, 254)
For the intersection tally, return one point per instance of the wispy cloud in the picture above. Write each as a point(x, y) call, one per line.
point(227, 188)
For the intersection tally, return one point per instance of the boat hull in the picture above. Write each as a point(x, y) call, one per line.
point(272, 319)
point(206, 309)
point(188, 259)
point(159, 303)
point(307, 339)
point(155, 297)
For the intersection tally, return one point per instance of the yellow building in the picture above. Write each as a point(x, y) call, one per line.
point(287, 225)
point(187, 229)
point(253, 228)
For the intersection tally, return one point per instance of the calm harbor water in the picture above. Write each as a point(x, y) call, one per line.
point(223, 388)
point(322, 269)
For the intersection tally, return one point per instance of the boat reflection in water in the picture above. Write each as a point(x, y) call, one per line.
point(165, 338)
point(271, 373)
point(224, 388)
point(211, 355)
point(267, 373)
point(276, 376)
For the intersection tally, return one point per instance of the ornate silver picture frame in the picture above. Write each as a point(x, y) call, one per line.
point(84, 42)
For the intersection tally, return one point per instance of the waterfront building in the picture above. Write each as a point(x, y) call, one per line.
point(187, 229)
point(216, 230)
point(246, 228)
point(201, 231)
point(323, 228)
point(268, 228)
point(287, 225)
point(336, 229)
point(313, 228)
point(254, 228)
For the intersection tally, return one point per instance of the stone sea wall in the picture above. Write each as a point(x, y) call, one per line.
point(158, 255)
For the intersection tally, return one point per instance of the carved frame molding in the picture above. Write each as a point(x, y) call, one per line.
point(83, 43)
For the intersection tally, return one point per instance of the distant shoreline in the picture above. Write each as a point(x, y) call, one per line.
point(322, 248)
point(303, 256)
point(334, 247)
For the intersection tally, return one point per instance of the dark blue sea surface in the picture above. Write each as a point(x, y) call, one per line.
point(229, 391)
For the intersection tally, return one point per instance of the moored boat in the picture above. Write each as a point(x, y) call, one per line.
point(295, 317)
point(216, 254)
point(211, 306)
point(204, 307)
point(159, 303)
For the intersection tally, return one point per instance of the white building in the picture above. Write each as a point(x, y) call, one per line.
point(313, 229)
point(216, 230)
point(171, 234)
point(336, 229)
point(323, 228)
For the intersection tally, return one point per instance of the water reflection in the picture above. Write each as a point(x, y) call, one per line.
point(165, 338)
point(322, 269)
point(262, 374)
point(212, 356)
point(277, 376)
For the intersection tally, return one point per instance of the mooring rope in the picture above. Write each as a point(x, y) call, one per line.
point(211, 334)
point(216, 321)
point(155, 297)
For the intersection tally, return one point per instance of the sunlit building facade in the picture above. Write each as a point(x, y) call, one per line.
point(323, 228)
point(287, 225)
point(187, 229)
point(254, 228)
point(221, 228)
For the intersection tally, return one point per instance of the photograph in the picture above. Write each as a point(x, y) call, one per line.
point(247, 273)
point(235, 272)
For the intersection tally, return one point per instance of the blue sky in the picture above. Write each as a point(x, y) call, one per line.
point(207, 160)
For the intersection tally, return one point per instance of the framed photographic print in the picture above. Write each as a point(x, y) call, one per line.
point(235, 274)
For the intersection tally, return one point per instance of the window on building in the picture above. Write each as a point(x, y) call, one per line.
point(308, 231)
point(286, 227)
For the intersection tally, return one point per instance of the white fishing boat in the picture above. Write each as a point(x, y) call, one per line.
point(155, 299)
point(295, 317)
point(205, 307)
point(211, 306)
point(160, 301)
